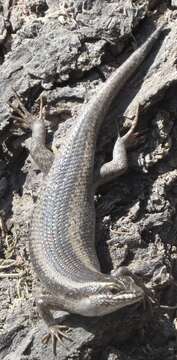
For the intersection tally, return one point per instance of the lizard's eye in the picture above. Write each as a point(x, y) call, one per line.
point(114, 290)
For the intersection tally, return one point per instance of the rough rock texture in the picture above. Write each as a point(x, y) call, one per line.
point(63, 50)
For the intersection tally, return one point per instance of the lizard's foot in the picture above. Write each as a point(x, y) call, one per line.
point(24, 118)
point(136, 138)
point(20, 113)
point(56, 332)
point(133, 138)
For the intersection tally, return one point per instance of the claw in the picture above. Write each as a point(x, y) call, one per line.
point(56, 333)
point(17, 110)
point(22, 109)
point(22, 116)
point(135, 138)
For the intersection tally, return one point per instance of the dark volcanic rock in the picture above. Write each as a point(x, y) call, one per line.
point(64, 50)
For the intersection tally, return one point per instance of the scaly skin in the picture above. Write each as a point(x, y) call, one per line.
point(61, 244)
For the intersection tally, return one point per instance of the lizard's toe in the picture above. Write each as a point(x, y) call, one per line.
point(57, 332)
point(136, 138)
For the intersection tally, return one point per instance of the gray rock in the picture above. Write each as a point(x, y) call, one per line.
point(64, 51)
point(174, 3)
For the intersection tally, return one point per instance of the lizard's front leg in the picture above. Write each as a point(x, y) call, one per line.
point(45, 304)
point(42, 156)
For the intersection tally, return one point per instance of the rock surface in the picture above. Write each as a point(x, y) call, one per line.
point(63, 50)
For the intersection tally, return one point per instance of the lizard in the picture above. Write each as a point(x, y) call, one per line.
point(61, 244)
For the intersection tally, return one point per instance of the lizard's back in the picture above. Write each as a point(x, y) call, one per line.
point(63, 226)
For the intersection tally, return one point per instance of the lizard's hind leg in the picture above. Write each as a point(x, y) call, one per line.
point(42, 156)
point(118, 165)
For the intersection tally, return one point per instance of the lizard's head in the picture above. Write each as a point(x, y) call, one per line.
point(110, 295)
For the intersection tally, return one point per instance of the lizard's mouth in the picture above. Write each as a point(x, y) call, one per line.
point(99, 305)
point(120, 301)
point(129, 298)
